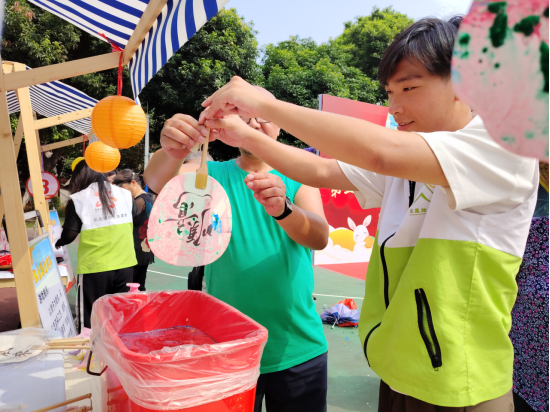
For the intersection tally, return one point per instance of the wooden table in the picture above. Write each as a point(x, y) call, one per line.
point(78, 382)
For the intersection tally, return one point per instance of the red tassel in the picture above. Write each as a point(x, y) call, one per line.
point(120, 75)
point(114, 47)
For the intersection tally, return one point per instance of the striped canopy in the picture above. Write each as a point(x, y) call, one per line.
point(56, 98)
point(117, 19)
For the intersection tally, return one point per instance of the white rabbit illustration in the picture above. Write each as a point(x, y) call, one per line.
point(361, 253)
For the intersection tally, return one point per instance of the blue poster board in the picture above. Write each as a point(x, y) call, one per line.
point(53, 306)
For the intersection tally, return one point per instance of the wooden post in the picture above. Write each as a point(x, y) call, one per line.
point(18, 136)
point(1, 207)
point(69, 142)
point(38, 142)
point(33, 151)
point(62, 118)
point(26, 78)
point(15, 222)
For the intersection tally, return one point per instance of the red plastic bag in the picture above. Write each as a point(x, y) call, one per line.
point(5, 260)
point(181, 376)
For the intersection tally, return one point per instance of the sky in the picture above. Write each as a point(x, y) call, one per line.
point(322, 19)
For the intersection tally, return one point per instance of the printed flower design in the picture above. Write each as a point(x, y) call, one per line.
point(143, 236)
point(529, 333)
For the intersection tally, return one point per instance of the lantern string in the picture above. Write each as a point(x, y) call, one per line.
point(42, 150)
point(119, 92)
point(83, 144)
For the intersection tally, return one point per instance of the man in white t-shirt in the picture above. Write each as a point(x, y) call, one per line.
point(455, 214)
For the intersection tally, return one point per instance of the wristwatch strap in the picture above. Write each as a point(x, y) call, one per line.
point(288, 210)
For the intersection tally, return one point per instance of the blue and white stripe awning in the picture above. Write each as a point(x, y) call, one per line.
point(117, 19)
point(56, 98)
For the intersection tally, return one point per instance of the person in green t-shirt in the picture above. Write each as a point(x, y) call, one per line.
point(266, 271)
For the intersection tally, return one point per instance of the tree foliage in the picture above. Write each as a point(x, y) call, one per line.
point(299, 70)
point(367, 37)
point(296, 70)
point(224, 47)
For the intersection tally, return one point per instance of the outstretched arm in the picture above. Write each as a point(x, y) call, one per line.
point(357, 142)
point(297, 164)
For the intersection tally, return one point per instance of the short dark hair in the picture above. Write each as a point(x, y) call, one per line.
point(429, 40)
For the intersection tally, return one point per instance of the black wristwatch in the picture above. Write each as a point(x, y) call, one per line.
point(288, 210)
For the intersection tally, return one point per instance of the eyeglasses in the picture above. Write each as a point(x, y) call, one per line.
point(258, 120)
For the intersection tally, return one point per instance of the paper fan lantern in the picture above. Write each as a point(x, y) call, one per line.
point(118, 122)
point(102, 158)
point(500, 69)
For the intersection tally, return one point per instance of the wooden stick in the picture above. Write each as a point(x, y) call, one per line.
point(46, 347)
point(153, 9)
point(202, 172)
point(62, 118)
point(67, 342)
point(57, 405)
point(14, 81)
point(64, 143)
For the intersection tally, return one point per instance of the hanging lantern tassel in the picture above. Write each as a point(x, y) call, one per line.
point(101, 157)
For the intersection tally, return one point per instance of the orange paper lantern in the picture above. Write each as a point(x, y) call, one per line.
point(102, 158)
point(118, 122)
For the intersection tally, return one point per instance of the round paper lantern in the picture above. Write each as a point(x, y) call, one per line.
point(118, 122)
point(102, 158)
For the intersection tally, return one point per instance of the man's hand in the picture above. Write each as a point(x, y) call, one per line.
point(231, 130)
point(179, 134)
point(269, 190)
point(236, 97)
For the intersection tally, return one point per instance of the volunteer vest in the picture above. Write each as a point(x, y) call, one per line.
point(106, 243)
point(439, 291)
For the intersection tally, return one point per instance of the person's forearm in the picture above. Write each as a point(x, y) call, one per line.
point(67, 236)
point(305, 228)
point(160, 169)
point(359, 142)
point(294, 163)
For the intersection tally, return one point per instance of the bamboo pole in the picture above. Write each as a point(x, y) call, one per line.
point(62, 118)
point(33, 151)
point(15, 221)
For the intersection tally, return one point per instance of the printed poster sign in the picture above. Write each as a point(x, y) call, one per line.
point(352, 228)
point(53, 305)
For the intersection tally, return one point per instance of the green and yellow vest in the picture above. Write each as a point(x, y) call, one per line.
point(106, 243)
point(438, 295)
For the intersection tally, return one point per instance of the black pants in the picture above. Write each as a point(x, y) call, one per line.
point(140, 273)
point(298, 389)
point(92, 286)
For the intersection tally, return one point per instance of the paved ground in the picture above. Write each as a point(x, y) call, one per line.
point(353, 386)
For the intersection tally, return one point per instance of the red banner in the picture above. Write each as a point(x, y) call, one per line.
point(352, 229)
